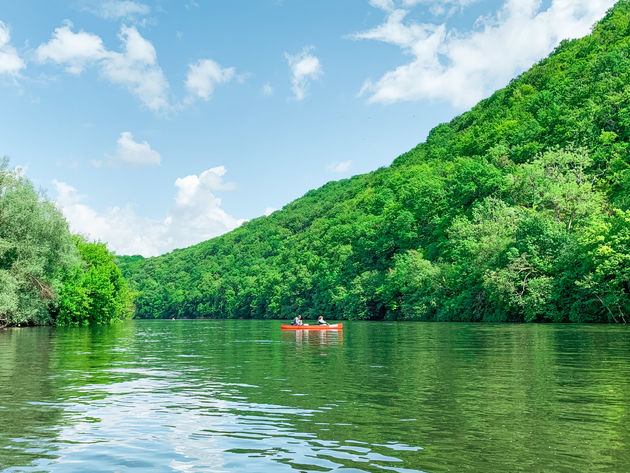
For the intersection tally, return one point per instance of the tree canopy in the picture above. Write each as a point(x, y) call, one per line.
point(47, 275)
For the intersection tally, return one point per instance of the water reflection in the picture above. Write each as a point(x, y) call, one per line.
point(314, 337)
point(243, 396)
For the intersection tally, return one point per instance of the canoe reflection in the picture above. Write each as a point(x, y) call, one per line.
point(314, 337)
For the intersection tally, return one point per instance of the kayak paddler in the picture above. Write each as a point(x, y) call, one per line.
point(297, 320)
point(321, 321)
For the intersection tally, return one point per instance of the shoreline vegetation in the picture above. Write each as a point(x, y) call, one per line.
point(516, 211)
point(48, 275)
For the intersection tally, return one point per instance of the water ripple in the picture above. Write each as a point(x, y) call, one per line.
point(241, 396)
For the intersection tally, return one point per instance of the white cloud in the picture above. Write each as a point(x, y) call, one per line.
point(304, 67)
point(189, 187)
point(269, 211)
point(267, 90)
point(10, 62)
point(462, 68)
point(442, 7)
point(205, 75)
point(20, 171)
point(339, 166)
point(135, 67)
point(195, 215)
point(386, 5)
point(131, 152)
point(117, 9)
point(437, 7)
point(433, 3)
point(75, 50)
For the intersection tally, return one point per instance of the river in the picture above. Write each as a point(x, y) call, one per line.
point(242, 396)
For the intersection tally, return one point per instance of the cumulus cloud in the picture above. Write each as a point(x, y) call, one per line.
point(74, 50)
point(304, 67)
point(194, 216)
point(191, 187)
point(269, 211)
point(463, 67)
point(10, 61)
point(135, 67)
point(134, 153)
point(204, 76)
point(339, 167)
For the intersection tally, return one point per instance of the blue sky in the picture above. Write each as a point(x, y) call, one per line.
point(156, 125)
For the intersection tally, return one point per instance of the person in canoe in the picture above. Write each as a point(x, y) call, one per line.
point(321, 321)
point(297, 321)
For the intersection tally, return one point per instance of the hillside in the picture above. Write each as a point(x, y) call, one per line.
point(518, 210)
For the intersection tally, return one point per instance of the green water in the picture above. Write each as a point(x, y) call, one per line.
point(242, 396)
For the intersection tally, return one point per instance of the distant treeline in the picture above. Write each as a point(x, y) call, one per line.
point(518, 210)
point(48, 275)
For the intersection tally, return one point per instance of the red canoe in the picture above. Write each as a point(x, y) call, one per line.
point(312, 327)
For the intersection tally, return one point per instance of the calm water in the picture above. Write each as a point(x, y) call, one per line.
point(242, 396)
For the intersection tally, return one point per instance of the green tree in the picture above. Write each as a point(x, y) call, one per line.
point(94, 292)
point(36, 250)
point(608, 281)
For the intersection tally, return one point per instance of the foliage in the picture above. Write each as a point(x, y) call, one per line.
point(35, 251)
point(95, 292)
point(514, 211)
point(46, 276)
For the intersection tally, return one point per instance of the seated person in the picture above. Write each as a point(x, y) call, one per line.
point(297, 321)
point(321, 321)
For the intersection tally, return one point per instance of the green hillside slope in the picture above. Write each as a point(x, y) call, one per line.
point(517, 210)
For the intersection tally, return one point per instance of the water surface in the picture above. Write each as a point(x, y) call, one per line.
point(242, 396)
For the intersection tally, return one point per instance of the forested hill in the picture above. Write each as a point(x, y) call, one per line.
point(518, 210)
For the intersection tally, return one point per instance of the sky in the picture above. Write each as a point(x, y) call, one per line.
point(155, 125)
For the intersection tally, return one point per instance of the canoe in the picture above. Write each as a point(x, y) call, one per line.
point(312, 327)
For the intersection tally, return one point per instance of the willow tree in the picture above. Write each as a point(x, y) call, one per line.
point(36, 251)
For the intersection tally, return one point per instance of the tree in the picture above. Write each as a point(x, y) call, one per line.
point(608, 280)
point(36, 250)
point(94, 292)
